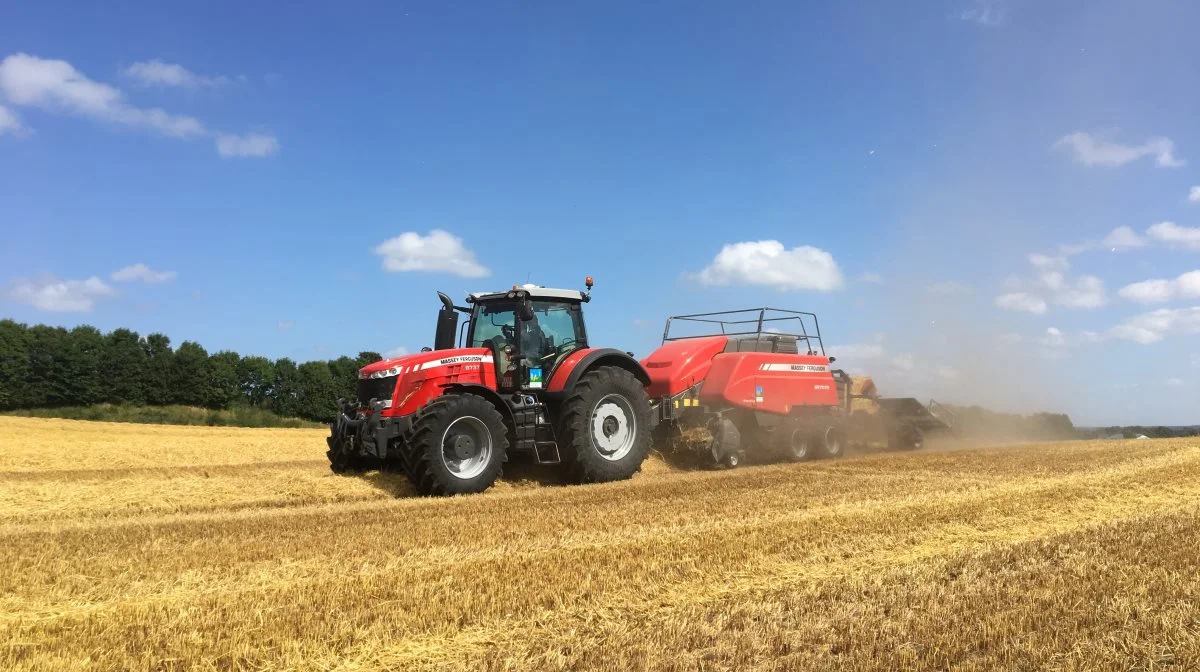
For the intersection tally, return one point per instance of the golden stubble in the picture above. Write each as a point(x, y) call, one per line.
point(154, 547)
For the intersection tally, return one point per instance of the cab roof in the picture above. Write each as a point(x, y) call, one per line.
point(534, 292)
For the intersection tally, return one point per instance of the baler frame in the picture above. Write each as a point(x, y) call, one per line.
point(746, 316)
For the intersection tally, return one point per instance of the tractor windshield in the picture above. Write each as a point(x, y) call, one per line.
point(556, 327)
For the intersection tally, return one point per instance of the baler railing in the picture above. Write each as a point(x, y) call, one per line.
point(760, 318)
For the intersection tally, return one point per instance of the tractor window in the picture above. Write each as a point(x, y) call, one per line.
point(491, 320)
point(561, 325)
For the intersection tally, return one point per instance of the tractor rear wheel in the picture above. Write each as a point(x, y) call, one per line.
point(605, 426)
point(457, 446)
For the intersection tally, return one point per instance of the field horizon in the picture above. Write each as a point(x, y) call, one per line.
point(160, 547)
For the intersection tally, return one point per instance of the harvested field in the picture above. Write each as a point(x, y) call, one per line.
point(154, 547)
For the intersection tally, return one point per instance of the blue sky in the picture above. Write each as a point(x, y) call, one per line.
point(984, 201)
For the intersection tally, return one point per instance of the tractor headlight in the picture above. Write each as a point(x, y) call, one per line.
point(387, 373)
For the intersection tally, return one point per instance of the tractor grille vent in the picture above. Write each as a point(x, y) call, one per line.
point(375, 388)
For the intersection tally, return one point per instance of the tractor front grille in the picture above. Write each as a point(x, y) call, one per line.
point(379, 389)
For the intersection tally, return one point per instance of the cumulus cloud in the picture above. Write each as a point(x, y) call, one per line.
point(10, 123)
point(1054, 338)
point(1086, 292)
point(56, 86)
point(158, 73)
point(1194, 194)
point(1186, 286)
point(1123, 238)
point(1094, 150)
point(144, 273)
point(1158, 324)
point(1172, 234)
point(1029, 303)
point(1174, 382)
point(768, 263)
point(249, 145)
point(439, 251)
point(66, 296)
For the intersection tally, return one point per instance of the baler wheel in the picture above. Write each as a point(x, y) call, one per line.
point(833, 442)
point(458, 446)
point(605, 428)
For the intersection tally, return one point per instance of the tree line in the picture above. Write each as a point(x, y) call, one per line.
point(48, 367)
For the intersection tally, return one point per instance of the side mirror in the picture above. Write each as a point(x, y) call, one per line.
point(832, 360)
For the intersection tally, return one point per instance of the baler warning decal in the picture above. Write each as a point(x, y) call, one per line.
point(795, 368)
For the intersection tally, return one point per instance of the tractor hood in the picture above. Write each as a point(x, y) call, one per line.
point(423, 360)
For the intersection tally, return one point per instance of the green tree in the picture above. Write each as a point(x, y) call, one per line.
point(14, 364)
point(255, 378)
point(158, 369)
point(318, 394)
point(286, 389)
point(345, 377)
point(189, 375)
point(84, 353)
point(47, 382)
point(123, 367)
point(222, 390)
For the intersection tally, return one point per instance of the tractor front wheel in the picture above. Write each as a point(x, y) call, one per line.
point(605, 429)
point(457, 446)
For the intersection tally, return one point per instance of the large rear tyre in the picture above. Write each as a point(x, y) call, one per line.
point(605, 430)
point(457, 446)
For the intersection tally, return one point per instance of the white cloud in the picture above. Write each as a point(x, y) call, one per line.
point(56, 86)
point(857, 351)
point(1154, 326)
point(1054, 338)
point(1173, 234)
point(1047, 263)
point(1093, 150)
point(1161, 291)
point(396, 352)
point(158, 73)
point(768, 263)
point(1029, 303)
point(144, 273)
point(438, 251)
point(1174, 382)
point(1194, 194)
point(54, 295)
point(1123, 238)
point(985, 13)
point(251, 144)
point(286, 324)
point(1087, 292)
point(871, 278)
point(10, 122)
point(949, 288)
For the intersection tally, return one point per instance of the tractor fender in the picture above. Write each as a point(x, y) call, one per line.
point(578, 363)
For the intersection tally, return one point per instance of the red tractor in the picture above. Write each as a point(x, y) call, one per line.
point(521, 376)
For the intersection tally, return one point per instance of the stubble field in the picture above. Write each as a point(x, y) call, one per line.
point(154, 547)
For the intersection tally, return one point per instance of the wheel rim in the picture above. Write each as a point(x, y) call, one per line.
point(799, 444)
point(614, 427)
point(833, 444)
point(467, 447)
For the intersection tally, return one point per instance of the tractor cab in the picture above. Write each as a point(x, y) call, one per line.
point(529, 329)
